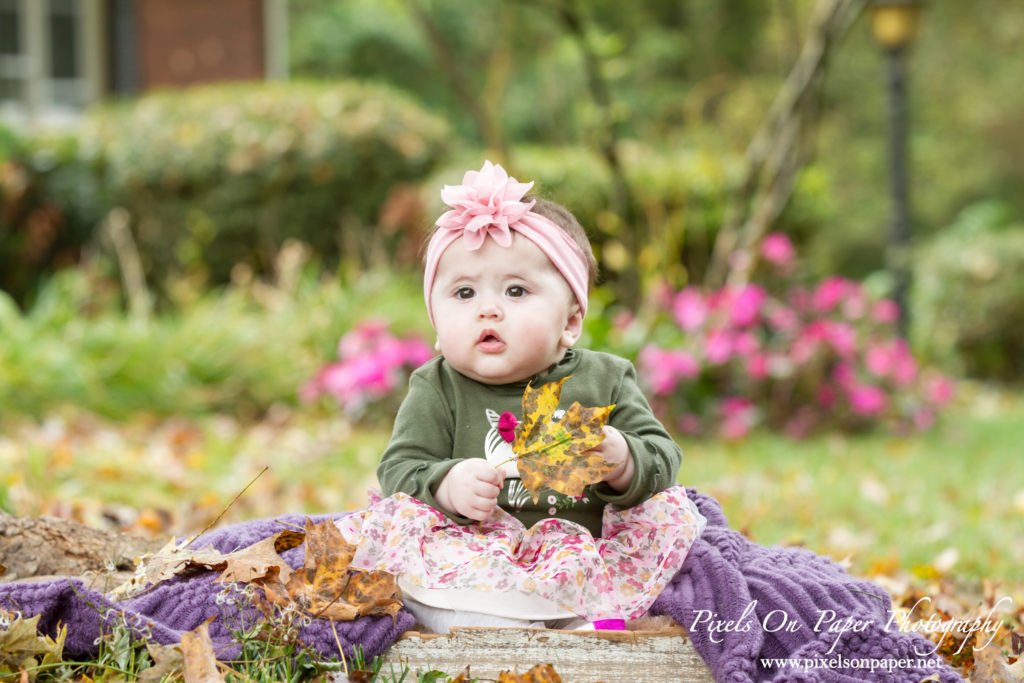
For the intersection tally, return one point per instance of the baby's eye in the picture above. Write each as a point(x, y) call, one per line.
point(515, 291)
point(464, 293)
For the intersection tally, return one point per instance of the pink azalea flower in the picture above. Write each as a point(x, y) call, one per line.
point(842, 337)
point(732, 406)
point(904, 370)
point(878, 359)
point(938, 390)
point(826, 396)
point(830, 292)
point(689, 423)
point(885, 311)
point(622, 320)
point(683, 364)
point(734, 429)
point(689, 309)
point(777, 249)
point(844, 374)
point(924, 419)
point(417, 352)
point(783, 318)
point(757, 365)
point(866, 399)
point(746, 305)
point(718, 346)
point(655, 371)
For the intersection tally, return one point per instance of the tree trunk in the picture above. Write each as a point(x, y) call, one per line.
point(35, 547)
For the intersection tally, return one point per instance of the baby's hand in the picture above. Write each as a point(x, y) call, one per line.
point(471, 489)
point(615, 450)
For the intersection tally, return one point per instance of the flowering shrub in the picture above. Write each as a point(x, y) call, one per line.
point(373, 365)
point(807, 359)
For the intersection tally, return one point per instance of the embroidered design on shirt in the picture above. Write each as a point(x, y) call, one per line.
point(498, 450)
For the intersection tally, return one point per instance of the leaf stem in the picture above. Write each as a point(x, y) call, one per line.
point(535, 451)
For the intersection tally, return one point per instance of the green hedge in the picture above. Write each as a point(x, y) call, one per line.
point(49, 203)
point(967, 305)
point(224, 174)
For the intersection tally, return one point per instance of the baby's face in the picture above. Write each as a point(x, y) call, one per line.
point(503, 314)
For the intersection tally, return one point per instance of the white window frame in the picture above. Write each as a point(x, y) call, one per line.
point(36, 108)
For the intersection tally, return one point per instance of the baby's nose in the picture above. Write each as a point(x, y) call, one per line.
point(488, 308)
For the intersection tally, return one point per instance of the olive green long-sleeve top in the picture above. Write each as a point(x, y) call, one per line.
point(447, 417)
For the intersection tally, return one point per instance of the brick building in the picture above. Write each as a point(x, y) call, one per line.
point(59, 56)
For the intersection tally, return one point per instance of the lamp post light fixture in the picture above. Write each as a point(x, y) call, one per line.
point(893, 25)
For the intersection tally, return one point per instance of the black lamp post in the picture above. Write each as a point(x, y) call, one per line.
point(893, 24)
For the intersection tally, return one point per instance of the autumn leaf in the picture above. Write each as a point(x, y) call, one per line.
point(541, 673)
point(990, 666)
point(552, 454)
point(168, 661)
point(200, 660)
point(327, 588)
point(253, 562)
point(22, 647)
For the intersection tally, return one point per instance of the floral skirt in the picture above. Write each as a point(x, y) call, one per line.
point(616, 576)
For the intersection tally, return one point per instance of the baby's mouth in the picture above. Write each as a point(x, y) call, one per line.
point(490, 342)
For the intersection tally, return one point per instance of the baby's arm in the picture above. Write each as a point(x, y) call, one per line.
point(654, 458)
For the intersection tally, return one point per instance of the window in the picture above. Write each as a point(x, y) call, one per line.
point(47, 53)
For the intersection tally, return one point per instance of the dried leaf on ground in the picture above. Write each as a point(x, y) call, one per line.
point(327, 588)
point(251, 563)
point(990, 666)
point(22, 647)
point(168, 660)
point(541, 673)
point(200, 660)
point(552, 454)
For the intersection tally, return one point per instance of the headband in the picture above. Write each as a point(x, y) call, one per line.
point(488, 204)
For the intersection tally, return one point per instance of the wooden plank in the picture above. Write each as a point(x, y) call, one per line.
point(662, 656)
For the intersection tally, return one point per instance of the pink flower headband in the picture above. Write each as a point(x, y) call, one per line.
point(488, 203)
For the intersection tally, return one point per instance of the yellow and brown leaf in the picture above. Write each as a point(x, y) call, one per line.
point(553, 454)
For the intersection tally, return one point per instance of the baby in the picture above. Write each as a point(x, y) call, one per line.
point(506, 286)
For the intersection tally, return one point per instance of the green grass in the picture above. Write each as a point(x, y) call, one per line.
point(884, 503)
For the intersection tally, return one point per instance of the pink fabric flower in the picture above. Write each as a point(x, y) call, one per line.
point(507, 424)
point(778, 250)
point(484, 204)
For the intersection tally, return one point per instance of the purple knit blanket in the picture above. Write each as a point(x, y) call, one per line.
point(755, 613)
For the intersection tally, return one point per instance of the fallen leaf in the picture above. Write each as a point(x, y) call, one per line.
point(23, 647)
point(552, 454)
point(3, 570)
point(541, 673)
point(327, 588)
point(247, 564)
point(262, 559)
point(990, 666)
point(200, 660)
point(168, 660)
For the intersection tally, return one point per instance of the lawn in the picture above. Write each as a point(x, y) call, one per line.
point(946, 502)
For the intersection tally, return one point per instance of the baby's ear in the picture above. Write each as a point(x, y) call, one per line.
point(573, 327)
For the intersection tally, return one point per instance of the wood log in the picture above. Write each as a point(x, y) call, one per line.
point(661, 656)
point(43, 547)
